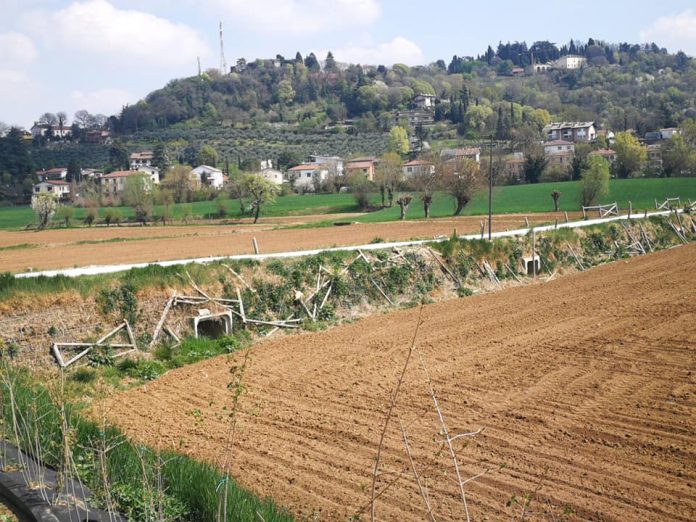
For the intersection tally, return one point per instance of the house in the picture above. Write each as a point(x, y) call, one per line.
point(655, 156)
point(59, 173)
point(424, 101)
point(607, 154)
point(114, 183)
point(418, 167)
point(473, 153)
point(306, 175)
point(541, 67)
point(518, 71)
point(61, 189)
point(609, 135)
point(558, 147)
point(653, 137)
point(571, 131)
point(95, 136)
point(153, 172)
point(274, 176)
point(416, 117)
point(570, 61)
point(561, 159)
point(210, 176)
point(39, 130)
point(365, 166)
point(333, 163)
point(514, 168)
point(141, 159)
point(90, 173)
point(669, 133)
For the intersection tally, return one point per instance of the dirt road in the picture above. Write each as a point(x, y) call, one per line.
point(67, 248)
point(586, 388)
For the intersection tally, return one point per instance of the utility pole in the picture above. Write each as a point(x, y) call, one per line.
point(490, 191)
point(199, 65)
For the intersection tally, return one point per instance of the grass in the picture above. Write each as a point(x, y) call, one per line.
point(507, 199)
point(190, 489)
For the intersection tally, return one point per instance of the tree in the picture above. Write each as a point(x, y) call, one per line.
point(91, 216)
point(138, 194)
point(678, 159)
point(631, 156)
point(118, 157)
point(360, 187)
point(403, 202)
point(44, 206)
point(260, 190)
point(460, 178)
point(330, 63)
point(594, 181)
point(425, 181)
point(534, 164)
point(388, 175)
point(208, 156)
point(62, 120)
point(48, 118)
point(65, 213)
point(179, 182)
point(556, 196)
point(160, 158)
point(398, 140)
point(74, 171)
point(83, 118)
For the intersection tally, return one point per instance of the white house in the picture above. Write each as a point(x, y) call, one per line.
point(141, 159)
point(272, 175)
point(206, 175)
point(332, 163)
point(571, 131)
point(60, 188)
point(305, 175)
point(473, 153)
point(571, 61)
point(56, 174)
point(424, 101)
point(559, 147)
point(418, 167)
point(114, 183)
point(41, 129)
point(153, 172)
point(668, 133)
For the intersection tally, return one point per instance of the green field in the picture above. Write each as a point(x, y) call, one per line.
point(508, 199)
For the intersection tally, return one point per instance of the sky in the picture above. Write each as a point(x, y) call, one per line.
point(97, 55)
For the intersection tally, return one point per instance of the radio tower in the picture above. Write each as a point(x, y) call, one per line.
point(223, 62)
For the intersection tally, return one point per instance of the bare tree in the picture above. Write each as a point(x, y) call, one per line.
point(424, 181)
point(459, 177)
point(388, 175)
point(48, 118)
point(403, 202)
point(556, 196)
point(62, 120)
point(83, 118)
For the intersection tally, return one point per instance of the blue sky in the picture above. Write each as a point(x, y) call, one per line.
point(100, 54)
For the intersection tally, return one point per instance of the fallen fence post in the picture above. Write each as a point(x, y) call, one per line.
point(256, 246)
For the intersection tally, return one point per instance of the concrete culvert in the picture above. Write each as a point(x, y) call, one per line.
point(213, 326)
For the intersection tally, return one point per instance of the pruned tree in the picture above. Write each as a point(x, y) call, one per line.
point(44, 206)
point(556, 196)
point(388, 175)
point(460, 178)
point(425, 181)
point(403, 202)
point(260, 190)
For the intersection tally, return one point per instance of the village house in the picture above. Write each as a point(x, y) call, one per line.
point(418, 167)
point(571, 131)
point(141, 159)
point(558, 147)
point(61, 189)
point(514, 168)
point(272, 175)
point(306, 175)
point(424, 101)
point(95, 136)
point(58, 173)
point(416, 117)
point(570, 62)
point(669, 133)
point(561, 159)
point(607, 154)
point(473, 153)
point(518, 71)
point(210, 176)
point(655, 156)
point(40, 130)
point(365, 166)
point(114, 183)
point(332, 163)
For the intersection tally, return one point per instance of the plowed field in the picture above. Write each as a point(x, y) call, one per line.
point(51, 249)
point(585, 385)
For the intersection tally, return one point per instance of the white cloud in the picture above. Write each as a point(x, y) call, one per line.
point(398, 50)
point(124, 36)
point(676, 32)
point(16, 50)
point(301, 17)
point(105, 101)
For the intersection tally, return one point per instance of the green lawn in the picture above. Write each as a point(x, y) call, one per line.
point(537, 198)
point(508, 199)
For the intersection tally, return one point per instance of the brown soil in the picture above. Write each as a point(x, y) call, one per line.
point(585, 385)
point(62, 249)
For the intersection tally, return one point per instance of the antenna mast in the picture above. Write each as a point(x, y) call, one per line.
point(223, 62)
